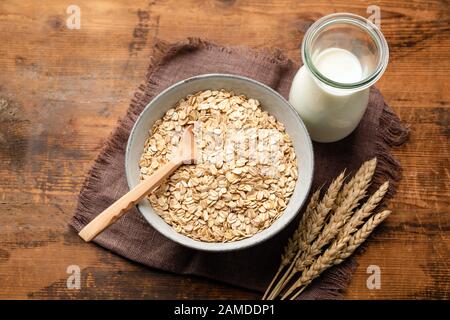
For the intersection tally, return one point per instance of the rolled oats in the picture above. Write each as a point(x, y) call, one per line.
point(240, 186)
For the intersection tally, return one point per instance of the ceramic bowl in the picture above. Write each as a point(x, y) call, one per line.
point(270, 101)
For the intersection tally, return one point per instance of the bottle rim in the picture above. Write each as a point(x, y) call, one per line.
point(363, 24)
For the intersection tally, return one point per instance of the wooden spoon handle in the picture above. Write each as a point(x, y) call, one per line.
point(126, 202)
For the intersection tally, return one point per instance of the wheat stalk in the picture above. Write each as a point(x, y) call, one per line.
point(293, 243)
point(330, 223)
point(311, 230)
point(337, 252)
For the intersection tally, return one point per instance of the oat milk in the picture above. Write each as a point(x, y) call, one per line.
point(330, 114)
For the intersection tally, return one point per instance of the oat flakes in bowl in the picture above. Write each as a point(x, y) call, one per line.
point(245, 175)
point(272, 103)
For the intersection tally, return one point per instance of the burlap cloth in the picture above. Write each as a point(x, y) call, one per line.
point(133, 238)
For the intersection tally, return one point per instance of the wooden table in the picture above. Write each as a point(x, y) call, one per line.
point(62, 92)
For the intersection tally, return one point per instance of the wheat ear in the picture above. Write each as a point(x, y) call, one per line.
point(360, 174)
point(365, 211)
point(361, 235)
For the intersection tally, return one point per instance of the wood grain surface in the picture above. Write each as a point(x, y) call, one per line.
point(62, 92)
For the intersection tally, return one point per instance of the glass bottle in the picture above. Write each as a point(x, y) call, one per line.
point(343, 55)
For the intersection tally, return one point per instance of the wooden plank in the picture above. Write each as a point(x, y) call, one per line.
point(62, 91)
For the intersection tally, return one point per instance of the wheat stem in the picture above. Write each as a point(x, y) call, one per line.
point(272, 282)
point(298, 293)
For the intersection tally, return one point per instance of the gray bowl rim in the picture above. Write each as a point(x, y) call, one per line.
point(240, 244)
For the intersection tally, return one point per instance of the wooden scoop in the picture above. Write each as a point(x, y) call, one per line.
point(185, 153)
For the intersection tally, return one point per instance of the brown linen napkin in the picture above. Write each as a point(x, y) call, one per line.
point(133, 238)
